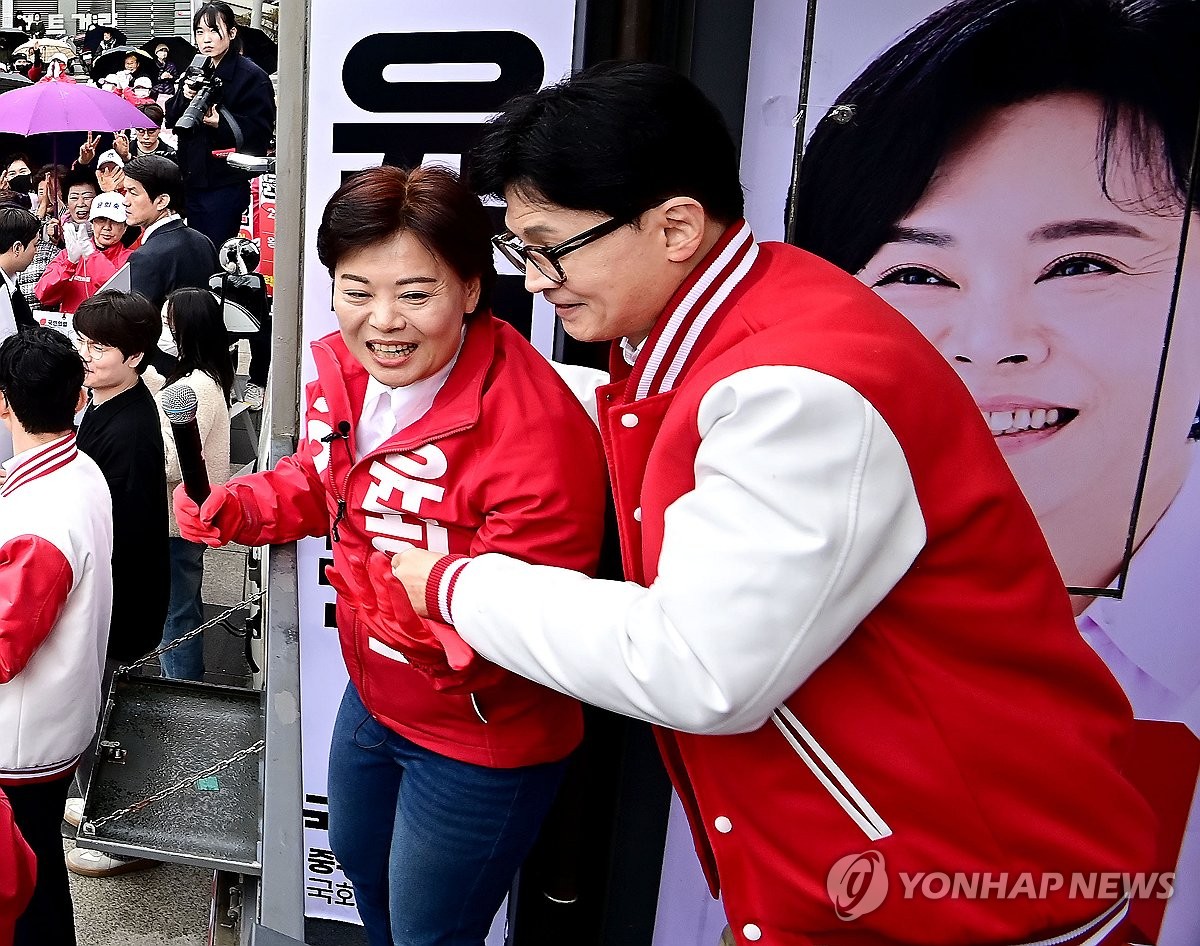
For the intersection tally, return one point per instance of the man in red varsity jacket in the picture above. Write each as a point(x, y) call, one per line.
point(838, 608)
point(55, 599)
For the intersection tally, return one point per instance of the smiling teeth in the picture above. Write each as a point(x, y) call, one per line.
point(393, 350)
point(1014, 422)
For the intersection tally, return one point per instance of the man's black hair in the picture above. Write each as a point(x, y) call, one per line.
point(618, 138)
point(859, 178)
point(124, 320)
point(158, 175)
point(41, 375)
point(17, 225)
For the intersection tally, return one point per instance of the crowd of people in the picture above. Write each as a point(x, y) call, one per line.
point(143, 209)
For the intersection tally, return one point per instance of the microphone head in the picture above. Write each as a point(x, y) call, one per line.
point(179, 403)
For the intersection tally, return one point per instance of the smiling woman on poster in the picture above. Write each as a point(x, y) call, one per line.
point(1015, 180)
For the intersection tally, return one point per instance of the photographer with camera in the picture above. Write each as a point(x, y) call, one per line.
point(224, 102)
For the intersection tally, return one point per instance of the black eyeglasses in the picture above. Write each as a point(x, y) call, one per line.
point(545, 258)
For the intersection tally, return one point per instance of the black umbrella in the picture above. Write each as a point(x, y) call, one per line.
point(13, 38)
point(181, 52)
point(12, 80)
point(256, 45)
point(91, 39)
point(114, 61)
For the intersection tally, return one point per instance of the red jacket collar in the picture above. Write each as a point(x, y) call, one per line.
point(690, 317)
point(457, 406)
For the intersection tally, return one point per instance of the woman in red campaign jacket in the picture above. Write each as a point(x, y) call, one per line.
point(430, 428)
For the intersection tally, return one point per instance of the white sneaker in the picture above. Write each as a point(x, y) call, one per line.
point(252, 396)
point(90, 863)
point(73, 812)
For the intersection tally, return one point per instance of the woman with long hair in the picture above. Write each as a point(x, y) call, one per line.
point(1015, 181)
point(193, 318)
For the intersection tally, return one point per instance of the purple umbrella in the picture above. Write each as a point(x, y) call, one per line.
point(67, 106)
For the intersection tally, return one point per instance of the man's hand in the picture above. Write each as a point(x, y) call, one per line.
point(87, 150)
point(412, 568)
point(121, 145)
point(211, 118)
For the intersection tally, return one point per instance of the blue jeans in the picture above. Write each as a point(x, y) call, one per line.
point(431, 844)
point(185, 612)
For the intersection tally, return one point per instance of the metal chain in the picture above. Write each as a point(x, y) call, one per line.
point(89, 827)
point(155, 654)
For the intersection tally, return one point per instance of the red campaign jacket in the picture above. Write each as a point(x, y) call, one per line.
point(68, 285)
point(842, 614)
point(969, 720)
point(506, 460)
point(18, 869)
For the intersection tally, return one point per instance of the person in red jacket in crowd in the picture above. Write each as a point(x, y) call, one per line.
point(430, 423)
point(18, 870)
point(84, 266)
point(839, 607)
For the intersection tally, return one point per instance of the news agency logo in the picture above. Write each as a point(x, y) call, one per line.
point(858, 884)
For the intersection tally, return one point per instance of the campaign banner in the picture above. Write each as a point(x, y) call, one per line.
point(402, 84)
point(1037, 239)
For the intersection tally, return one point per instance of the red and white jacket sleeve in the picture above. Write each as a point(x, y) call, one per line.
point(802, 518)
point(35, 579)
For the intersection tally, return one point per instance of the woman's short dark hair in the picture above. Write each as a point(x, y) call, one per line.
point(158, 175)
point(618, 138)
point(124, 320)
point(41, 375)
point(216, 14)
point(200, 335)
point(431, 203)
point(912, 103)
point(81, 176)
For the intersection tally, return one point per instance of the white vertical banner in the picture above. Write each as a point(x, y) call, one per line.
point(402, 84)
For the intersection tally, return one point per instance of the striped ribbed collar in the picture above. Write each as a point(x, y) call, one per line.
point(672, 344)
point(38, 462)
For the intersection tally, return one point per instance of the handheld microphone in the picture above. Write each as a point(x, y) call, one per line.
point(179, 403)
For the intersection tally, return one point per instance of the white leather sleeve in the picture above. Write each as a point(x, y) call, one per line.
point(583, 383)
point(802, 518)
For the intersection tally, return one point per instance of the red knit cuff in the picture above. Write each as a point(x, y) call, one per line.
point(439, 586)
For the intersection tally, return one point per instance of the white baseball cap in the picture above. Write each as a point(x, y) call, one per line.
point(110, 157)
point(110, 207)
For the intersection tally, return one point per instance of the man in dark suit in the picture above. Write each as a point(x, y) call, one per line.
point(172, 255)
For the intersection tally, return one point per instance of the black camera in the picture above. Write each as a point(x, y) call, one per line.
point(201, 77)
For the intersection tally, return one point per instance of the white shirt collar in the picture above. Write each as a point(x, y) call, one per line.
point(387, 411)
point(158, 223)
point(630, 351)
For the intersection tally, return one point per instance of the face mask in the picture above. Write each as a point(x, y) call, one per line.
point(166, 342)
point(21, 183)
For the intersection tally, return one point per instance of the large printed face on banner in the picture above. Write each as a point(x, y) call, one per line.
point(1050, 299)
point(976, 179)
